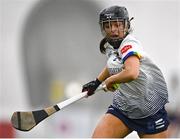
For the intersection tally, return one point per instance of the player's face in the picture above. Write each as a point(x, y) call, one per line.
point(114, 29)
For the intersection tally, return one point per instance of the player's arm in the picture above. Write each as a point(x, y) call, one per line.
point(103, 75)
point(93, 85)
point(130, 72)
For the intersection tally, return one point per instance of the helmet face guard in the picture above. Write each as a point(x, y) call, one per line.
point(114, 14)
point(125, 29)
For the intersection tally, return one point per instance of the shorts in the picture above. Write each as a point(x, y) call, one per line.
point(150, 125)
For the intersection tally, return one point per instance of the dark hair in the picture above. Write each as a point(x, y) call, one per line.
point(101, 45)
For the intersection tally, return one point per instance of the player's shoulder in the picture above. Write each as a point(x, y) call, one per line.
point(130, 39)
point(131, 46)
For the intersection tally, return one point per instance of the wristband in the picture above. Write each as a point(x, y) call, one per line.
point(98, 81)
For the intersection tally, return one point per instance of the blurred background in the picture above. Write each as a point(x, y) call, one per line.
point(50, 48)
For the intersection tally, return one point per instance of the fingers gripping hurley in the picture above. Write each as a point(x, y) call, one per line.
point(25, 121)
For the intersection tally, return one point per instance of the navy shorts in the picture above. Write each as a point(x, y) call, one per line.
point(150, 125)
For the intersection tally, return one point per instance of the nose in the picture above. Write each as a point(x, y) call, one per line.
point(114, 30)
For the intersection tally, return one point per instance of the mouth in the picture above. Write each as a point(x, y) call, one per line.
point(114, 37)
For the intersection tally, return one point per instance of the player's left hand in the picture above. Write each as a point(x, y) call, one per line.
point(110, 85)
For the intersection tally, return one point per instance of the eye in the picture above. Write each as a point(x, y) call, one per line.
point(106, 25)
point(115, 25)
point(120, 24)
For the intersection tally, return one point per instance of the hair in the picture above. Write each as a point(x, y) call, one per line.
point(101, 45)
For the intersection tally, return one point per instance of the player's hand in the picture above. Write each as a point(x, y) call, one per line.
point(91, 87)
point(110, 85)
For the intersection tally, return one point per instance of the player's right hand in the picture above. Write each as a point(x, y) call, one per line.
point(91, 87)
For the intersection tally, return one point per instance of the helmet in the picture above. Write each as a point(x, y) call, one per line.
point(114, 13)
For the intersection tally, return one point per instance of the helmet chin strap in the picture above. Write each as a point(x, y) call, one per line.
point(115, 42)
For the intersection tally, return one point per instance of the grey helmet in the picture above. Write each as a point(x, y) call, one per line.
point(114, 13)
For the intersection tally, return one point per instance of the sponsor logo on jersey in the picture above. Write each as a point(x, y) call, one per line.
point(117, 58)
point(126, 48)
point(114, 70)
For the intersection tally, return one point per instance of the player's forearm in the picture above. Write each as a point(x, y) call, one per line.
point(103, 75)
point(129, 73)
point(123, 77)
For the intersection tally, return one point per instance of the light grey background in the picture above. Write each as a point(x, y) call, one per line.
point(57, 40)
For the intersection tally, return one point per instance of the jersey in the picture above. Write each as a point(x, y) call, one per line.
point(143, 96)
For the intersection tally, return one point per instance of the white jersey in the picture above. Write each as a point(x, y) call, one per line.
point(143, 96)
